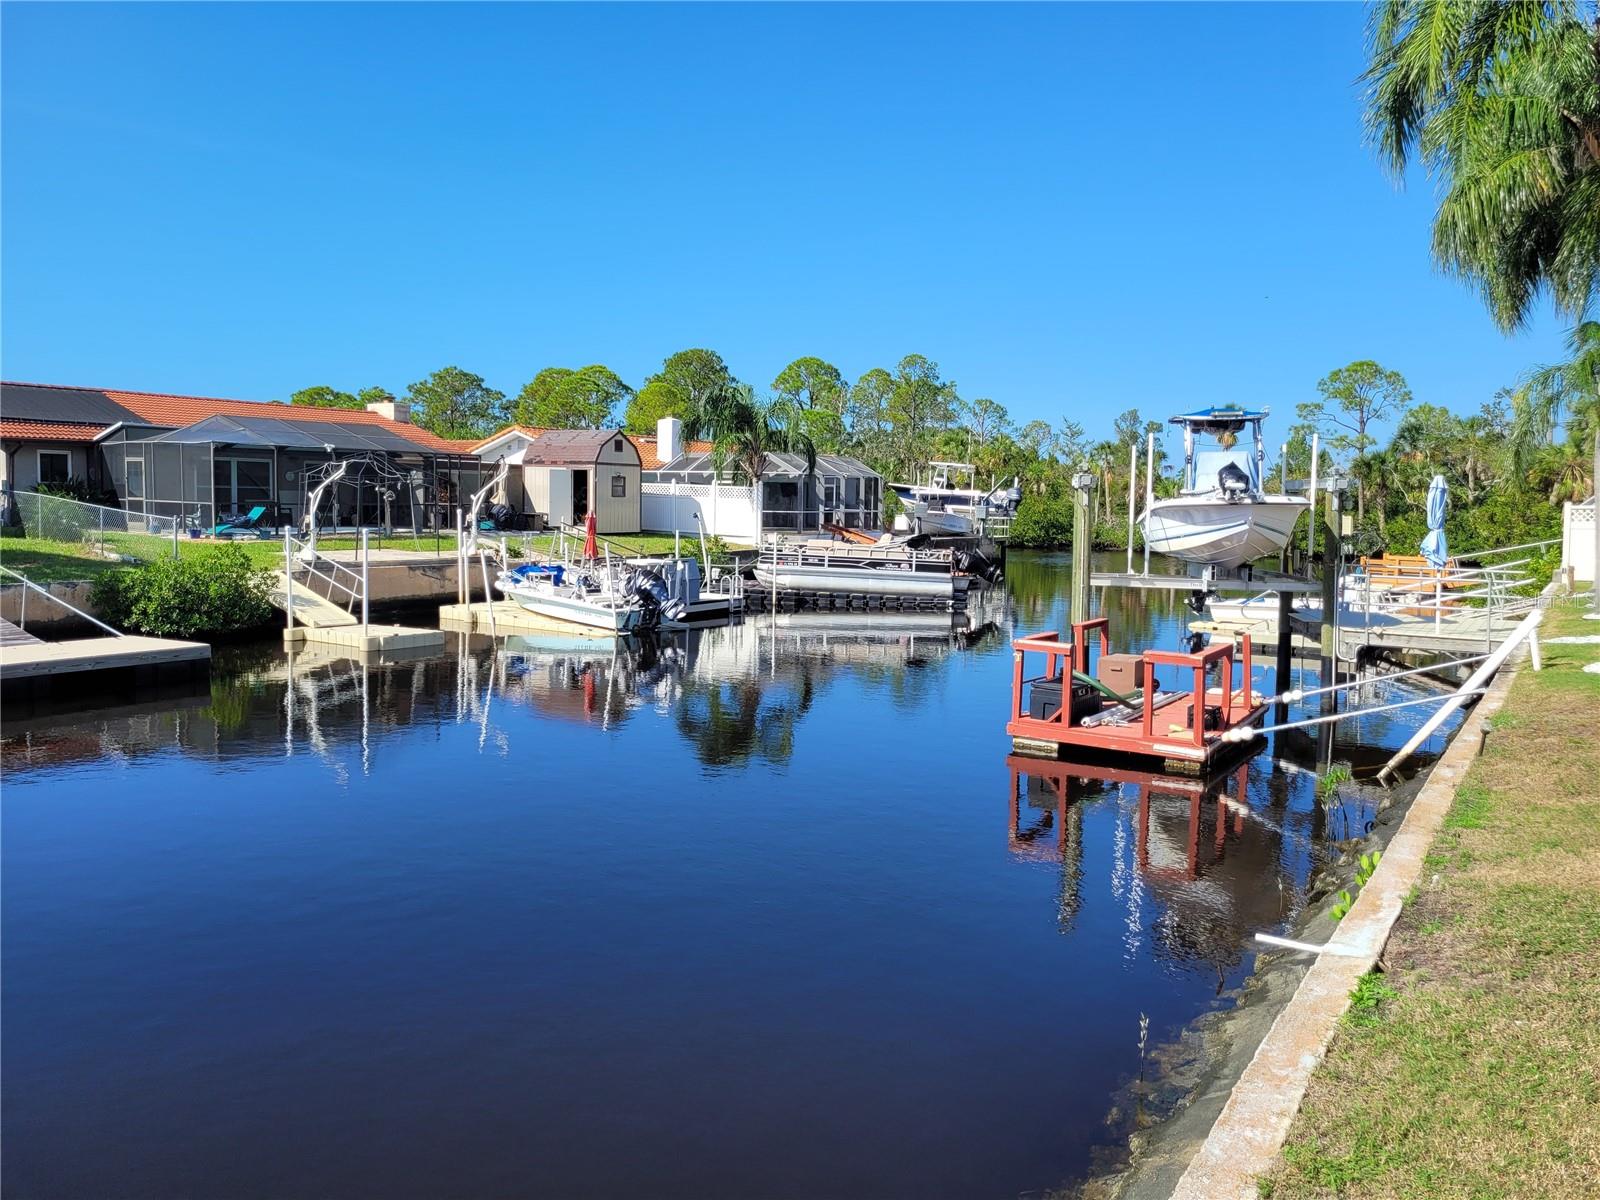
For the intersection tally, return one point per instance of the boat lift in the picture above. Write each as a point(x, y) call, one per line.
point(1067, 708)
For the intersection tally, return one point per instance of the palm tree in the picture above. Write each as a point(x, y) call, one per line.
point(1501, 100)
point(1567, 393)
point(743, 431)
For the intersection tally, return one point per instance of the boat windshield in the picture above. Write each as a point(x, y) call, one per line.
point(1210, 461)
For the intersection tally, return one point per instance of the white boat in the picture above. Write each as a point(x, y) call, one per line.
point(598, 597)
point(885, 569)
point(1222, 517)
point(942, 506)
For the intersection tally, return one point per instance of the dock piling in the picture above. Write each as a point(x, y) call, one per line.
point(1082, 493)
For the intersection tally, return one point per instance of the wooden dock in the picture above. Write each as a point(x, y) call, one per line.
point(11, 635)
point(33, 669)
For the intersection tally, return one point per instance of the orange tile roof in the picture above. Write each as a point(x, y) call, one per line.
point(53, 431)
point(174, 412)
point(650, 454)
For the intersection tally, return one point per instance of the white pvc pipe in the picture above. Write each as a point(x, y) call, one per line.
point(1310, 947)
point(1133, 479)
point(1470, 687)
point(1311, 525)
point(488, 594)
point(288, 584)
point(1149, 493)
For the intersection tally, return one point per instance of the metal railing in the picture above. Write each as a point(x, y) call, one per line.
point(29, 585)
point(302, 555)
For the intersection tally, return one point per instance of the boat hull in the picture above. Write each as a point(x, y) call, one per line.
point(945, 523)
point(863, 580)
point(569, 608)
point(1219, 534)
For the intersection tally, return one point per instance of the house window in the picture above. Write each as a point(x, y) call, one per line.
point(617, 445)
point(55, 466)
point(619, 486)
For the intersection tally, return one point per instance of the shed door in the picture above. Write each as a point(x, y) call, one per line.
point(580, 496)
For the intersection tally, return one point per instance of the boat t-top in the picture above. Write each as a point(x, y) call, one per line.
point(1222, 518)
point(943, 506)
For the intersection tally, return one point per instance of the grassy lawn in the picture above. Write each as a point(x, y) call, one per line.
point(50, 561)
point(45, 560)
point(1471, 1067)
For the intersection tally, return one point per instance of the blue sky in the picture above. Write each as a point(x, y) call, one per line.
point(1073, 209)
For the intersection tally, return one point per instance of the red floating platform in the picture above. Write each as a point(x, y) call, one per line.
point(1065, 708)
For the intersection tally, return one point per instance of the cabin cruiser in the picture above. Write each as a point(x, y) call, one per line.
point(1221, 518)
point(942, 506)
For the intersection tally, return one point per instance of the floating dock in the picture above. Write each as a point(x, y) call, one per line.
point(1065, 709)
point(511, 617)
point(31, 669)
point(316, 620)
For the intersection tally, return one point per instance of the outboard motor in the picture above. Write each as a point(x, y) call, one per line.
point(1232, 482)
point(654, 597)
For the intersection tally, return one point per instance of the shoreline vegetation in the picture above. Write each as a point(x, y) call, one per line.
point(1470, 1066)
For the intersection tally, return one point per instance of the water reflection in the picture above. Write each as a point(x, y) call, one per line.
point(378, 929)
point(1211, 869)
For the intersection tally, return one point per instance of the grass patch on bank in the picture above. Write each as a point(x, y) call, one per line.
point(48, 560)
point(1471, 1068)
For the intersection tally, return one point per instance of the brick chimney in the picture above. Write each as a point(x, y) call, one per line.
point(669, 439)
point(395, 410)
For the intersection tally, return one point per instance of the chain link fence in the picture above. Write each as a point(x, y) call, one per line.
point(95, 530)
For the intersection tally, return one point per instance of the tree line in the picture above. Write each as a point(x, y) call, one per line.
point(1509, 464)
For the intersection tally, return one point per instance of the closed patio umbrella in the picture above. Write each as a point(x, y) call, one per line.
point(1433, 545)
point(590, 549)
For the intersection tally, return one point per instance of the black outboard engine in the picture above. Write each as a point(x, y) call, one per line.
point(655, 599)
point(503, 516)
point(979, 565)
point(1233, 482)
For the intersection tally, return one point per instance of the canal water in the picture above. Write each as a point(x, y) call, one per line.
point(767, 911)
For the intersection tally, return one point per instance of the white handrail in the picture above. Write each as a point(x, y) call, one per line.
point(1472, 686)
point(49, 595)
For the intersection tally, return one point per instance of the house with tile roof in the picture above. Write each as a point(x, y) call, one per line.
point(204, 459)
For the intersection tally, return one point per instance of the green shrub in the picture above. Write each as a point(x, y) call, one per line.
point(60, 517)
point(1042, 522)
point(721, 553)
point(216, 592)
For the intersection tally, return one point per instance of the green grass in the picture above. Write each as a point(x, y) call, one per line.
point(48, 560)
point(1471, 1067)
point(52, 561)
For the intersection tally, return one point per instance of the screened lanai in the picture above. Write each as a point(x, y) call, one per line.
point(789, 495)
point(223, 467)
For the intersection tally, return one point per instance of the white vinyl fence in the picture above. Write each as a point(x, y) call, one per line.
point(727, 510)
point(1577, 539)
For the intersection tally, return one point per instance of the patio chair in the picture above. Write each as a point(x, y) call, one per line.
point(250, 523)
